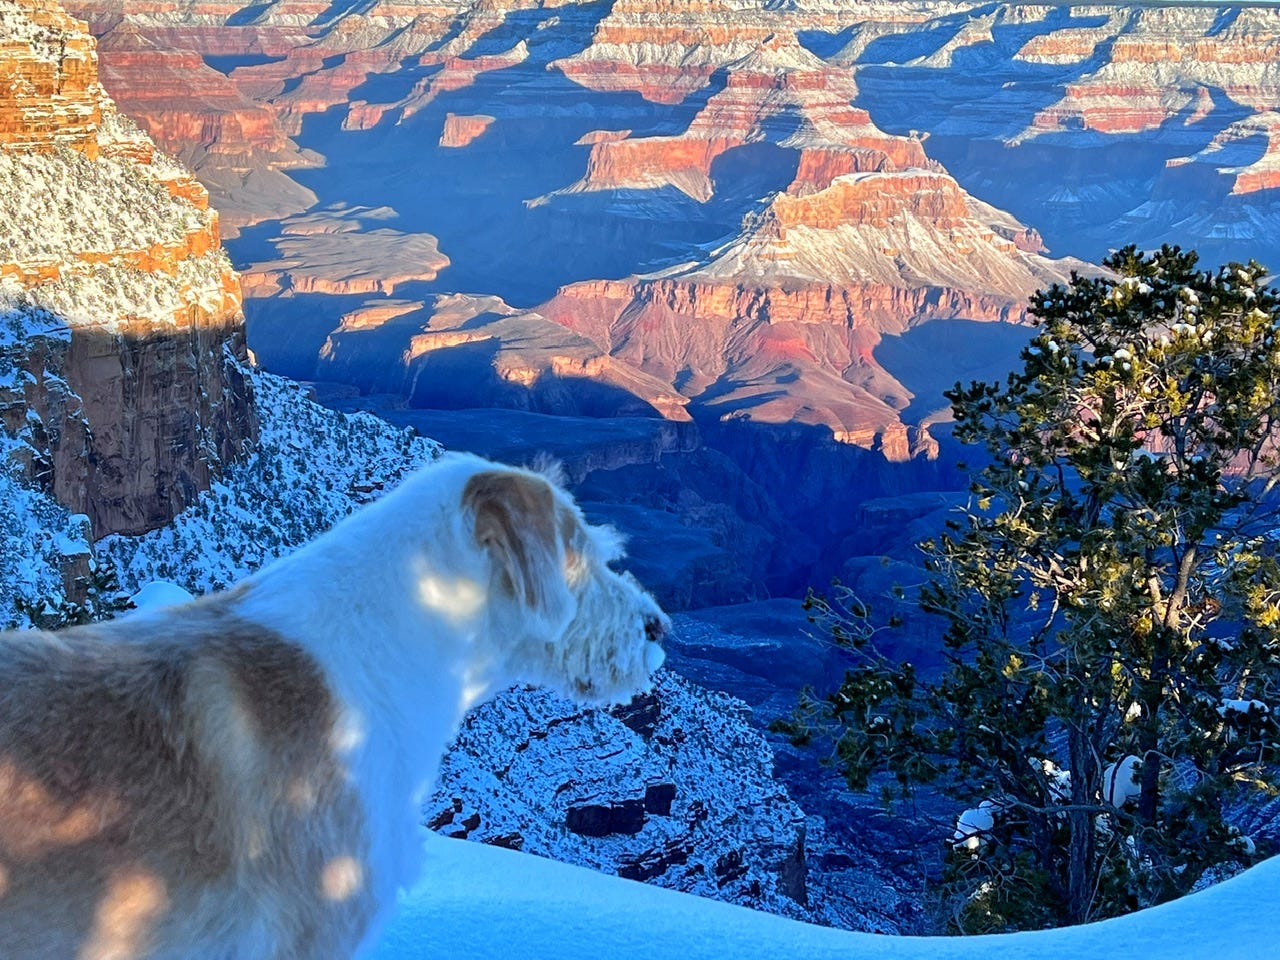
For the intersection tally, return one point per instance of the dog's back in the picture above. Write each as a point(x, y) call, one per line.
point(167, 789)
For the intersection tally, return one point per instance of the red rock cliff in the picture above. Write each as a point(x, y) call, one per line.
point(49, 93)
point(134, 397)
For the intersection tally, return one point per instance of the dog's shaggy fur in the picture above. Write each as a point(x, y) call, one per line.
point(241, 777)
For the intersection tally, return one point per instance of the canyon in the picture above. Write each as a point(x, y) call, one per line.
point(728, 205)
point(137, 442)
point(1101, 125)
point(783, 223)
point(787, 228)
point(721, 258)
point(763, 224)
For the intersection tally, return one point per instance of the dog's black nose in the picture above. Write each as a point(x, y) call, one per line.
point(654, 629)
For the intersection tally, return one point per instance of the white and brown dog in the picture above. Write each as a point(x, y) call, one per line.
point(241, 777)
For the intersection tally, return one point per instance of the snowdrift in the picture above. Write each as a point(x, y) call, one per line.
point(477, 901)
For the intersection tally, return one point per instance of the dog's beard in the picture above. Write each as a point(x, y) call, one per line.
point(605, 655)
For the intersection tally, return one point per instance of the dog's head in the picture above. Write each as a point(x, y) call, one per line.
point(569, 620)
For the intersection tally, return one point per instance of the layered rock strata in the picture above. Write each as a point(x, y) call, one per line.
point(779, 93)
point(1162, 63)
point(130, 406)
point(195, 111)
point(751, 232)
point(462, 351)
point(666, 50)
point(1143, 123)
point(344, 251)
point(781, 323)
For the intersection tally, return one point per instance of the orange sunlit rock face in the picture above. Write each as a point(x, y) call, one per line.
point(49, 92)
point(139, 400)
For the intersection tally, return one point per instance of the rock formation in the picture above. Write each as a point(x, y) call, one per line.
point(729, 204)
point(132, 397)
point(777, 93)
point(1082, 119)
point(460, 130)
point(344, 251)
point(666, 50)
point(674, 789)
point(194, 111)
point(1233, 153)
point(781, 323)
point(461, 351)
point(1161, 63)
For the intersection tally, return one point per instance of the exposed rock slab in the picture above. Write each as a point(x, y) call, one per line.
point(344, 251)
point(460, 351)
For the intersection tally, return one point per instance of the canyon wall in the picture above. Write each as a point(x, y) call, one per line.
point(129, 396)
point(723, 210)
point(1100, 124)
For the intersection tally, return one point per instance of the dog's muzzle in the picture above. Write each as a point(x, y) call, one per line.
point(655, 630)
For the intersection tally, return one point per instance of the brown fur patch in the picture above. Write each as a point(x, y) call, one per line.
point(516, 522)
point(165, 782)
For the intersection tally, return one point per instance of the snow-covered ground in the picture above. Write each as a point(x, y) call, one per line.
point(476, 901)
point(310, 469)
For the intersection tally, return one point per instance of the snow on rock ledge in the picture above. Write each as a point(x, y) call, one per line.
point(675, 789)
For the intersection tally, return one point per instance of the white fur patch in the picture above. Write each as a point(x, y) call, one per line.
point(413, 623)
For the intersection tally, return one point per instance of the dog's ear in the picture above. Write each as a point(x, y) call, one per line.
point(515, 521)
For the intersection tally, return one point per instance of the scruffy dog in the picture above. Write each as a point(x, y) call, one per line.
point(239, 778)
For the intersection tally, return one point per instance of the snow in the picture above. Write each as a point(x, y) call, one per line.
point(1242, 706)
point(37, 534)
point(158, 594)
point(310, 469)
point(973, 823)
point(476, 901)
point(1120, 781)
point(46, 216)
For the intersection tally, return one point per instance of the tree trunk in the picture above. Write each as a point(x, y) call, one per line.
point(1149, 738)
point(1081, 867)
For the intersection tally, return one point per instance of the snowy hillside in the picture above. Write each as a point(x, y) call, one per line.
point(311, 468)
point(39, 538)
point(677, 788)
point(477, 903)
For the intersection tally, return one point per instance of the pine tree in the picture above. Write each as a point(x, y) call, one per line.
point(1111, 597)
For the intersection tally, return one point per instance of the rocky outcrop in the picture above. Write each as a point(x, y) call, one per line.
point(1233, 153)
point(686, 801)
point(49, 91)
point(459, 130)
point(1166, 62)
point(454, 73)
point(1102, 125)
point(191, 109)
point(129, 410)
point(782, 323)
point(461, 351)
point(180, 100)
point(344, 251)
point(666, 50)
point(779, 93)
point(46, 567)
